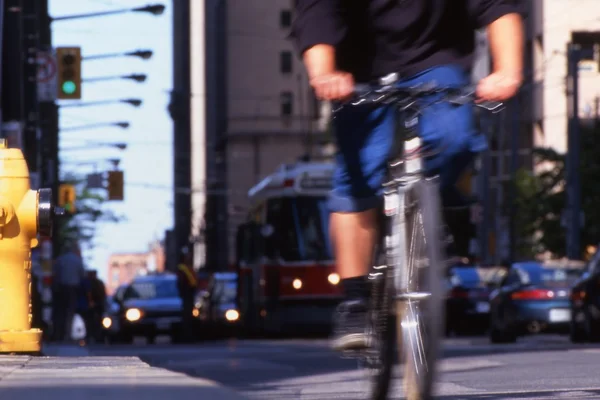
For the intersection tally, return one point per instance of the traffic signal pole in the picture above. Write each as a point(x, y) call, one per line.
point(48, 117)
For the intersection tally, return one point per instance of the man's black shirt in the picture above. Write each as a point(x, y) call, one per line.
point(376, 37)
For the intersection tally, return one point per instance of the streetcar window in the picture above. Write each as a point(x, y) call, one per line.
point(313, 222)
point(284, 242)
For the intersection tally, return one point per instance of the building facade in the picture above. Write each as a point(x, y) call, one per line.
point(250, 110)
point(122, 268)
point(539, 117)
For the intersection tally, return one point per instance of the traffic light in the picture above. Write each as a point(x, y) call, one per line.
point(66, 197)
point(115, 185)
point(68, 61)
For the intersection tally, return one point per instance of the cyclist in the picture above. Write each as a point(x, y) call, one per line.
point(423, 41)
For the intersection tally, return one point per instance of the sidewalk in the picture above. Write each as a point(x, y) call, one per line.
point(90, 378)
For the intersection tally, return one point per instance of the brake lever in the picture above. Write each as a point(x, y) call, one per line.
point(466, 97)
point(492, 106)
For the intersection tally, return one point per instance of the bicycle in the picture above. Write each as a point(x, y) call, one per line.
point(406, 302)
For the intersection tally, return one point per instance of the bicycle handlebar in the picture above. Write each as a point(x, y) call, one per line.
point(391, 93)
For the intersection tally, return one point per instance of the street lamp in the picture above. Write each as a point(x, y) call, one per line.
point(154, 9)
point(134, 77)
point(123, 125)
point(120, 146)
point(143, 54)
point(132, 102)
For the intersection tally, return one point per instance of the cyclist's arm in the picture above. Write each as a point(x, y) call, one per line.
point(318, 28)
point(505, 31)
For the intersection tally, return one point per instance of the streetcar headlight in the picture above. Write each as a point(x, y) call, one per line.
point(297, 284)
point(232, 315)
point(106, 322)
point(133, 314)
point(333, 278)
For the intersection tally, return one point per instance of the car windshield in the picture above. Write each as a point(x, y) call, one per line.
point(225, 292)
point(465, 276)
point(152, 290)
point(553, 277)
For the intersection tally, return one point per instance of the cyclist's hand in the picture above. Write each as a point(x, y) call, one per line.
point(499, 86)
point(333, 86)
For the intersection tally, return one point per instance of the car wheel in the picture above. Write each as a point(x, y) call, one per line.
point(125, 338)
point(577, 333)
point(500, 333)
point(592, 328)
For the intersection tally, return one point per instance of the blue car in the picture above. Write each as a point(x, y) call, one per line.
point(531, 298)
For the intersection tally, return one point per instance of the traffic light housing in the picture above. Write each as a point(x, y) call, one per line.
point(66, 197)
point(115, 185)
point(68, 60)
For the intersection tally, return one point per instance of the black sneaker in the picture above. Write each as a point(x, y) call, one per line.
point(350, 326)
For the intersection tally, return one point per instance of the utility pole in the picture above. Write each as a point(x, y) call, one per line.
point(573, 213)
point(481, 69)
point(30, 100)
point(216, 216)
point(514, 162)
point(48, 120)
point(180, 114)
point(12, 67)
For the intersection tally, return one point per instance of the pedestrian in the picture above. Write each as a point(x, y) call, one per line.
point(98, 305)
point(187, 284)
point(68, 273)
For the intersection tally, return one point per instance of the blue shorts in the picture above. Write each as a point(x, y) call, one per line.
point(365, 136)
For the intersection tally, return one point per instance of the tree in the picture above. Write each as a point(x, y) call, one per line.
point(81, 226)
point(541, 199)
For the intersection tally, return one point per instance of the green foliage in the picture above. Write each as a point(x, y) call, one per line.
point(89, 210)
point(541, 199)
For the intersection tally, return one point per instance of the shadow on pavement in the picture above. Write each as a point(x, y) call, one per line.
point(530, 395)
point(248, 364)
point(115, 392)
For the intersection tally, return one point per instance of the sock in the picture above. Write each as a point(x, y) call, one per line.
point(355, 288)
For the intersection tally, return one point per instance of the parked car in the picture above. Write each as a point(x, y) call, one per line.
point(149, 306)
point(532, 298)
point(467, 300)
point(585, 304)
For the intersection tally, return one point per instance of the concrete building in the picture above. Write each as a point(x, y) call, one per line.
point(249, 109)
point(540, 117)
point(122, 268)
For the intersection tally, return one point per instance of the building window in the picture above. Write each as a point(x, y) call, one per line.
point(287, 99)
point(285, 18)
point(285, 62)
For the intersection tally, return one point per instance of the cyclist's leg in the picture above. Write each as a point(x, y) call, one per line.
point(451, 129)
point(364, 137)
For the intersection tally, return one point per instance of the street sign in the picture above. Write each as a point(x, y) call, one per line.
point(46, 76)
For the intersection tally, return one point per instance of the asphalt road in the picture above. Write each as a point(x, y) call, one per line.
point(542, 367)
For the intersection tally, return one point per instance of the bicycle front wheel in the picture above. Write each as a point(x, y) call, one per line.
point(420, 311)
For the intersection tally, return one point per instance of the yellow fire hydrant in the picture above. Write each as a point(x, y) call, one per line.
point(23, 214)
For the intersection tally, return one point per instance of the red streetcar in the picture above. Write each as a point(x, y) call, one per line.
point(287, 277)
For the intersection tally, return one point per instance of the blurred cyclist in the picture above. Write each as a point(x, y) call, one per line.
point(348, 41)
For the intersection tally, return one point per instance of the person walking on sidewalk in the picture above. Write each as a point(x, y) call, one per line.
point(187, 284)
point(68, 272)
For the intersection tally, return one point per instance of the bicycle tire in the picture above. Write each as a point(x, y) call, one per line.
point(380, 357)
point(420, 321)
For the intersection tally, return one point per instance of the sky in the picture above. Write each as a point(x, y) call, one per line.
point(147, 161)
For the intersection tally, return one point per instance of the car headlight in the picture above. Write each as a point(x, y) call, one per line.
point(297, 284)
point(232, 315)
point(133, 314)
point(107, 322)
point(333, 278)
